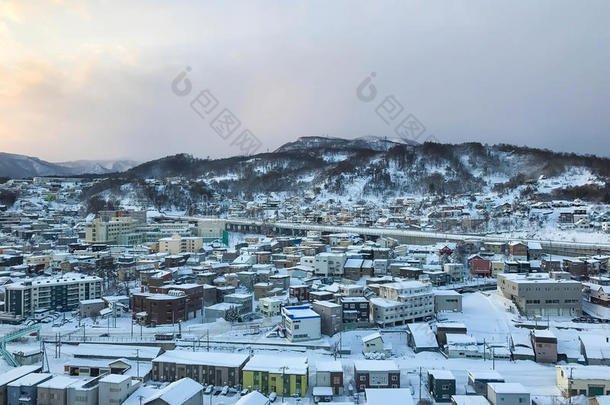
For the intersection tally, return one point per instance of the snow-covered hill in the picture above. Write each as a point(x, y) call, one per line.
point(382, 168)
point(21, 166)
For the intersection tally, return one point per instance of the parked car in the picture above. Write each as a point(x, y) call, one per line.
point(272, 397)
point(225, 390)
point(243, 392)
point(208, 389)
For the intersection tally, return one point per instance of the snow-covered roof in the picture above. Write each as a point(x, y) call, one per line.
point(332, 366)
point(177, 393)
point(508, 388)
point(441, 374)
point(30, 379)
point(277, 364)
point(15, 373)
point(587, 372)
point(422, 335)
point(385, 396)
point(595, 346)
point(115, 378)
point(376, 365)
point(58, 382)
point(470, 400)
point(116, 351)
point(253, 398)
point(203, 358)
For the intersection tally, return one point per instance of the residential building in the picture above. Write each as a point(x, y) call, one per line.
point(479, 266)
point(100, 231)
point(115, 388)
point(469, 400)
point(376, 374)
point(299, 292)
point(204, 367)
point(356, 311)
point(441, 385)
point(386, 396)
point(269, 306)
point(544, 344)
point(331, 316)
point(507, 394)
point(329, 264)
point(478, 380)
point(455, 271)
point(23, 298)
point(158, 309)
point(330, 374)
point(85, 392)
point(177, 244)
point(539, 294)
point(283, 375)
point(373, 343)
point(301, 323)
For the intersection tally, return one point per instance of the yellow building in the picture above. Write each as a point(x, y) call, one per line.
point(285, 376)
point(583, 380)
point(179, 244)
point(108, 232)
point(496, 268)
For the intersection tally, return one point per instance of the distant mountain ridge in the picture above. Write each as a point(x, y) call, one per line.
point(357, 168)
point(21, 166)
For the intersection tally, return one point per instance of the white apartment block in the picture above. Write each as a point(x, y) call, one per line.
point(454, 270)
point(400, 302)
point(329, 264)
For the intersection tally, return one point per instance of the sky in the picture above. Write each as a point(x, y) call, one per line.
point(98, 79)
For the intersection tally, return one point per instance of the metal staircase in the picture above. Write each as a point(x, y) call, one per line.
point(14, 335)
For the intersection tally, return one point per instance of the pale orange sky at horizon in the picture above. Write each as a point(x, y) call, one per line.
point(90, 79)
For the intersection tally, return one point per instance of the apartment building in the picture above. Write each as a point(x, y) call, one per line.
point(23, 298)
point(401, 302)
point(540, 294)
point(376, 374)
point(283, 375)
point(329, 264)
point(269, 306)
point(177, 244)
point(159, 309)
point(115, 388)
point(331, 316)
point(101, 231)
point(204, 367)
point(301, 323)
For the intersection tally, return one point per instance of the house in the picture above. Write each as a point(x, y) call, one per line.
point(203, 367)
point(181, 392)
point(283, 375)
point(376, 374)
point(301, 323)
point(93, 367)
point(544, 343)
point(373, 343)
point(479, 266)
point(459, 345)
point(421, 338)
point(386, 396)
point(444, 328)
point(299, 292)
point(455, 271)
point(478, 380)
point(447, 301)
point(583, 380)
point(330, 374)
point(507, 394)
point(534, 251)
point(441, 385)
point(517, 250)
point(269, 306)
point(322, 394)
point(356, 310)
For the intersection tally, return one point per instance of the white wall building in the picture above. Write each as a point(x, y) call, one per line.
point(301, 323)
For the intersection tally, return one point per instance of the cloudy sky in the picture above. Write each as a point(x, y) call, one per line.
point(92, 79)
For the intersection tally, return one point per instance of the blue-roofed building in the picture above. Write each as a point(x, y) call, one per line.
point(301, 323)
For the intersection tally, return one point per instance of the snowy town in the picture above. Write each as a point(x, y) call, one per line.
point(253, 306)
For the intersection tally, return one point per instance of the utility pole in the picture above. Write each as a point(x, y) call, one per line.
point(570, 386)
point(138, 362)
point(493, 358)
point(208, 339)
point(420, 383)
